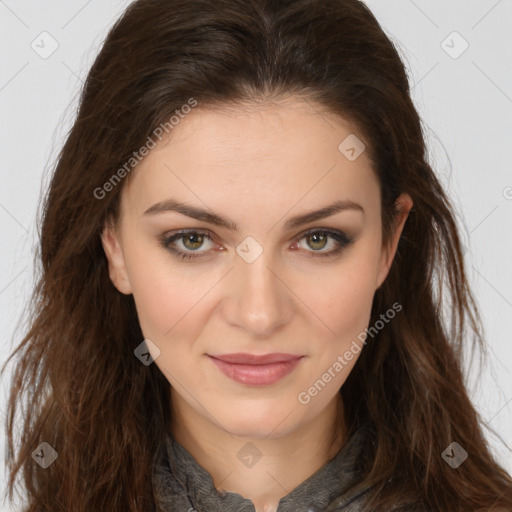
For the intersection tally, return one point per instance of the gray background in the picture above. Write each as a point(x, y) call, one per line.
point(465, 100)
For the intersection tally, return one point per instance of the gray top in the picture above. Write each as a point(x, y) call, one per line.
point(182, 485)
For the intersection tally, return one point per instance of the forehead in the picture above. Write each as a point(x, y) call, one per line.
point(290, 127)
point(253, 154)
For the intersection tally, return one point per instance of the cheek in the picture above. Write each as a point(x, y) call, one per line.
point(342, 298)
point(344, 306)
point(165, 298)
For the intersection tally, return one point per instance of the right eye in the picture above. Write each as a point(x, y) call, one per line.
point(190, 240)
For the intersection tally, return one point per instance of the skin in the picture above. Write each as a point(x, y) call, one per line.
point(258, 166)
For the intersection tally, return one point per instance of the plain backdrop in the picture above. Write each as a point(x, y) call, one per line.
point(458, 54)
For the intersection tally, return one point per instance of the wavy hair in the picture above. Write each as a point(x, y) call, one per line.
point(76, 383)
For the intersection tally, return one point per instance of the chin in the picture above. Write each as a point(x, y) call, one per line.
point(258, 421)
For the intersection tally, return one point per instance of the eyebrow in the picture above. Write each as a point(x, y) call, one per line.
point(171, 205)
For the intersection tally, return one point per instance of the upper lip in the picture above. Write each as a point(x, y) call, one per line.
point(242, 358)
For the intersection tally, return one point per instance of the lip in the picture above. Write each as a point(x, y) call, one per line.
point(256, 370)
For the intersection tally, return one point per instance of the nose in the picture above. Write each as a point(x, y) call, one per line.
point(259, 299)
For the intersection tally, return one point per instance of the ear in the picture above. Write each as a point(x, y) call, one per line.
point(110, 239)
point(403, 205)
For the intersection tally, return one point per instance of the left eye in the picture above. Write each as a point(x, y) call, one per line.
point(192, 241)
point(318, 240)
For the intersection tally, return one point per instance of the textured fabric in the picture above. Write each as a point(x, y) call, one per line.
point(181, 485)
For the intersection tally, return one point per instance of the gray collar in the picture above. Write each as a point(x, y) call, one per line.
point(182, 485)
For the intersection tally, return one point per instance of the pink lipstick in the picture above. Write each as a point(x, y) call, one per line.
point(256, 370)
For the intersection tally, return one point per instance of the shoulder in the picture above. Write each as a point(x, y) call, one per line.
point(359, 506)
point(359, 498)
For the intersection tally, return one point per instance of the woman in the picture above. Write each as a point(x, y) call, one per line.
point(245, 255)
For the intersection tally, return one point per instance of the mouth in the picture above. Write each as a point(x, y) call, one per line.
point(256, 370)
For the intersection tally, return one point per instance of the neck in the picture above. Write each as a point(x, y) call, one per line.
point(282, 465)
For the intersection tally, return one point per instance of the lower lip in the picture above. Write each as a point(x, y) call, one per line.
point(256, 374)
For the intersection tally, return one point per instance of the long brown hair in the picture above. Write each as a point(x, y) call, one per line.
point(77, 384)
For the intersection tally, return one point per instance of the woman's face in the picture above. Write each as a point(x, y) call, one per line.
point(251, 276)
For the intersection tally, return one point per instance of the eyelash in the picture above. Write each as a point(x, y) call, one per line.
point(341, 238)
